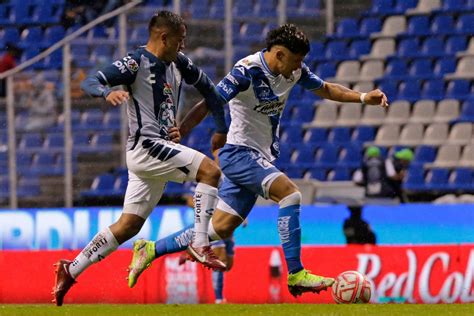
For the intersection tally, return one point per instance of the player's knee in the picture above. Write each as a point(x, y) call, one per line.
point(130, 225)
point(209, 173)
point(291, 199)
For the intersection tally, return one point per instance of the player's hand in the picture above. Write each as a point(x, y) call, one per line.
point(376, 97)
point(218, 141)
point(174, 134)
point(117, 97)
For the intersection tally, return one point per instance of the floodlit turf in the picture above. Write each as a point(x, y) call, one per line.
point(238, 309)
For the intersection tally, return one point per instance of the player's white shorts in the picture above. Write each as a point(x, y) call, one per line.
point(151, 164)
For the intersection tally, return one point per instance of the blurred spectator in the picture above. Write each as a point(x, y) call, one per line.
point(77, 76)
point(7, 62)
point(356, 230)
point(383, 178)
point(40, 102)
point(80, 12)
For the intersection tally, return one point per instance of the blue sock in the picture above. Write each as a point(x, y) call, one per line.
point(290, 236)
point(218, 284)
point(175, 242)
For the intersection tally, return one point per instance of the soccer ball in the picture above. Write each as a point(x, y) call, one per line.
point(351, 287)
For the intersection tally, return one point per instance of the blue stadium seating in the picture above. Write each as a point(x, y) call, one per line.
point(421, 69)
point(359, 47)
point(340, 174)
point(458, 89)
point(415, 179)
point(317, 173)
point(461, 179)
point(339, 135)
point(433, 89)
point(455, 44)
point(467, 112)
point(452, 6)
point(347, 28)
point(327, 156)
point(337, 50)
point(423, 154)
point(444, 65)
point(292, 135)
point(103, 185)
point(419, 25)
point(465, 24)
point(408, 47)
point(396, 69)
point(442, 24)
point(316, 137)
point(370, 25)
point(433, 46)
point(350, 156)
point(409, 90)
point(363, 134)
point(437, 179)
point(304, 157)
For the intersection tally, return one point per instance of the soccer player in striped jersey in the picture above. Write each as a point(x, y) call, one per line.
point(257, 89)
point(152, 76)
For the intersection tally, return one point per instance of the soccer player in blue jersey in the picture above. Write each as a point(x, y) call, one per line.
point(152, 76)
point(257, 89)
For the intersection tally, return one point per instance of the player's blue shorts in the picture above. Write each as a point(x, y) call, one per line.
point(247, 174)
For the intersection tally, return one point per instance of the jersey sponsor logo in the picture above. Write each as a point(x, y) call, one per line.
point(121, 67)
point(232, 79)
point(269, 107)
point(159, 151)
point(226, 88)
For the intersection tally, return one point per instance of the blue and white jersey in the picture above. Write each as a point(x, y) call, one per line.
point(256, 99)
point(154, 88)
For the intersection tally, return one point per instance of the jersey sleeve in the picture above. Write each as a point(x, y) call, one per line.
point(236, 81)
point(309, 80)
point(123, 71)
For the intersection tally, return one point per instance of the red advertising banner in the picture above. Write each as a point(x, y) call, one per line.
point(418, 274)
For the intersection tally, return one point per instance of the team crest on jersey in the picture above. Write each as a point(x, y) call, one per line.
point(132, 65)
point(167, 89)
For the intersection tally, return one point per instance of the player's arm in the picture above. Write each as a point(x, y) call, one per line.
point(121, 72)
point(196, 77)
point(336, 92)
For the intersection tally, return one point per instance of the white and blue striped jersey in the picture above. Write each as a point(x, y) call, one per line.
point(256, 99)
point(154, 87)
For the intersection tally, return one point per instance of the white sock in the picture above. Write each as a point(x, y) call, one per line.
point(205, 201)
point(97, 249)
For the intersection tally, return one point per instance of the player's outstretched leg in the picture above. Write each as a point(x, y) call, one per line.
point(299, 279)
point(63, 281)
point(205, 200)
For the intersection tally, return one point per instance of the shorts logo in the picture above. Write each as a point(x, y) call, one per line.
point(159, 151)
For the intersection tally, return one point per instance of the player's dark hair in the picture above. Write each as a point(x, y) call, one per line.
point(289, 36)
point(166, 19)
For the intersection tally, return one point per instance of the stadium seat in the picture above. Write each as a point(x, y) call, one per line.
point(387, 135)
point(411, 134)
point(315, 136)
point(436, 134)
point(359, 47)
point(339, 174)
point(382, 7)
point(467, 156)
point(30, 142)
point(371, 70)
point(433, 89)
point(423, 112)
point(326, 156)
point(303, 157)
point(418, 25)
point(30, 37)
point(347, 28)
point(421, 69)
point(437, 179)
point(372, 116)
point(423, 154)
point(326, 116)
point(464, 69)
point(244, 8)
point(266, 9)
point(433, 47)
point(444, 65)
point(455, 44)
point(452, 6)
point(458, 89)
point(349, 115)
point(461, 134)
point(337, 50)
point(461, 179)
point(392, 26)
point(398, 113)
point(442, 24)
point(467, 113)
point(339, 135)
point(409, 90)
point(362, 134)
point(363, 86)
point(403, 5)
point(408, 47)
point(424, 7)
point(446, 111)
point(350, 156)
point(396, 69)
point(54, 142)
point(381, 48)
point(465, 24)
point(292, 135)
point(448, 156)
point(370, 25)
point(325, 70)
point(347, 71)
point(414, 180)
point(52, 35)
point(103, 185)
point(302, 114)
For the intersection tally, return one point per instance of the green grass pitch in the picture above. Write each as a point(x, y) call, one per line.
point(238, 310)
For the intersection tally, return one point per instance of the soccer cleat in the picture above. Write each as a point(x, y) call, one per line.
point(303, 281)
point(183, 257)
point(205, 256)
point(63, 281)
point(143, 255)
